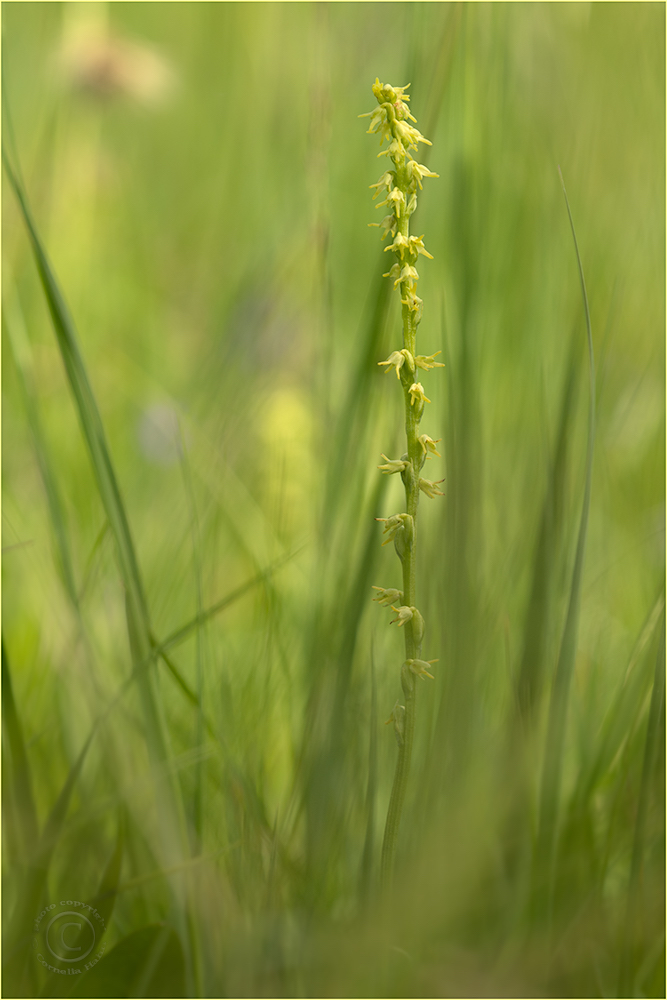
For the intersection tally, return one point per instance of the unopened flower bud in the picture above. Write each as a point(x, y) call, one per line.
point(417, 625)
point(398, 718)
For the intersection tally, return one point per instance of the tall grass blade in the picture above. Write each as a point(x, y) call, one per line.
point(172, 825)
point(619, 721)
point(197, 803)
point(88, 413)
point(633, 938)
point(20, 350)
point(366, 874)
point(549, 543)
point(19, 808)
point(147, 963)
point(18, 968)
point(547, 837)
point(185, 631)
point(103, 902)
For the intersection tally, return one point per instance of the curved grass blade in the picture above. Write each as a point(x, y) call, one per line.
point(536, 627)
point(17, 964)
point(632, 940)
point(88, 413)
point(20, 350)
point(624, 710)
point(147, 963)
point(184, 632)
point(167, 790)
point(547, 838)
point(17, 789)
point(366, 873)
point(103, 902)
point(197, 798)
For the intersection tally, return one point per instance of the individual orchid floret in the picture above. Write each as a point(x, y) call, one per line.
point(378, 122)
point(428, 444)
point(388, 224)
point(416, 391)
point(408, 273)
point(398, 718)
point(412, 204)
point(427, 361)
point(394, 272)
point(409, 135)
point(414, 304)
point(393, 465)
point(386, 181)
point(396, 360)
point(393, 525)
point(387, 596)
point(402, 111)
point(400, 245)
point(395, 150)
point(416, 171)
point(431, 489)
point(416, 246)
point(421, 667)
point(396, 199)
point(403, 614)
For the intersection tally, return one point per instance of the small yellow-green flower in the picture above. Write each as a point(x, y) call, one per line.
point(416, 391)
point(393, 465)
point(393, 524)
point(397, 359)
point(395, 150)
point(386, 181)
point(414, 304)
point(417, 170)
point(428, 444)
point(408, 273)
point(400, 245)
point(416, 246)
point(388, 596)
point(404, 614)
point(388, 224)
point(431, 489)
point(421, 667)
point(396, 198)
point(410, 136)
point(428, 362)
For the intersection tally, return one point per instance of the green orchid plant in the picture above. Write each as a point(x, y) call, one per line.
point(391, 120)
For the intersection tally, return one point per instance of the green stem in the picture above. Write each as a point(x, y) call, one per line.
point(412, 646)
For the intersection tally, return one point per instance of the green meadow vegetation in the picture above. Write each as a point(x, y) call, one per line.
point(195, 678)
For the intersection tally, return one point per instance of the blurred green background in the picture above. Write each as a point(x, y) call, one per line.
point(199, 178)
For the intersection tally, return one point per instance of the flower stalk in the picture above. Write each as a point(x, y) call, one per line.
point(399, 186)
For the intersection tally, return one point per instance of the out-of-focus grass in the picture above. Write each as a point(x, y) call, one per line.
point(199, 178)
